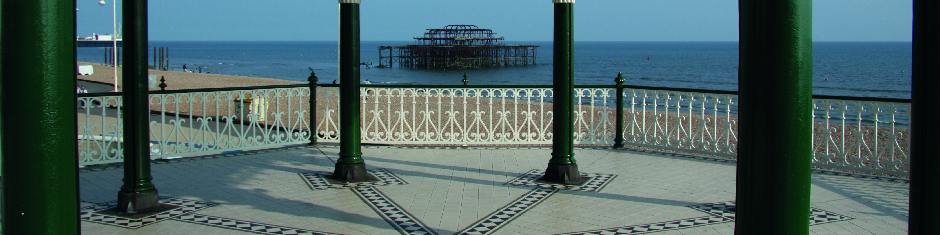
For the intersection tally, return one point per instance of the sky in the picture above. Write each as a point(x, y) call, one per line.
point(516, 20)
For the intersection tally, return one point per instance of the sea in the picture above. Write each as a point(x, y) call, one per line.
point(856, 69)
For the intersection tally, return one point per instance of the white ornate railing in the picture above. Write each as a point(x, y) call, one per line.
point(868, 136)
point(213, 121)
point(198, 122)
point(685, 121)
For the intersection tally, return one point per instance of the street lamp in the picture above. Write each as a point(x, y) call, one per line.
point(113, 38)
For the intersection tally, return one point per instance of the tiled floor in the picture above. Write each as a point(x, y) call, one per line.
point(470, 191)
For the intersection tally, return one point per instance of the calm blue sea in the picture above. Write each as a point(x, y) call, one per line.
point(865, 69)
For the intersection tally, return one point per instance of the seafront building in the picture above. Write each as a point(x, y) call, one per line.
point(326, 186)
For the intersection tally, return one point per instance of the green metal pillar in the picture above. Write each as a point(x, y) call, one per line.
point(618, 137)
point(563, 168)
point(40, 165)
point(350, 167)
point(138, 194)
point(775, 117)
point(925, 105)
point(313, 108)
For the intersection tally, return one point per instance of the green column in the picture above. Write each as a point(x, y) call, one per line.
point(775, 118)
point(925, 100)
point(350, 167)
point(563, 168)
point(618, 137)
point(40, 165)
point(138, 193)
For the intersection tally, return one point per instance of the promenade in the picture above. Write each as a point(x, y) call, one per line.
point(448, 190)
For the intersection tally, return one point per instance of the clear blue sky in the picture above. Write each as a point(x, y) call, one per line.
point(516, 20)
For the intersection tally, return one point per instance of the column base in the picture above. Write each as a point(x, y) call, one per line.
point(137, 204)
point(563, 174)
point(351, 173)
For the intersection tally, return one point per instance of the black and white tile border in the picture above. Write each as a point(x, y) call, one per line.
point(241, 225)
point(403, 221)
point(726, 209)
point(185, 207)
point(595, 184)
point(660, 226)
point(317, 180)
point(720, 212)
point(513, 210)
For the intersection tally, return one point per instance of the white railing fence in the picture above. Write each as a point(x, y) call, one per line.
point(867, 136)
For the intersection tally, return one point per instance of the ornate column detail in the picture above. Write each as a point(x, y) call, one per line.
point(775, 118)
point(40, 170)
point(563, 168)
point(925, 100)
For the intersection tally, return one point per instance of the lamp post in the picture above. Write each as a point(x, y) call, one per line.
point(113, 38)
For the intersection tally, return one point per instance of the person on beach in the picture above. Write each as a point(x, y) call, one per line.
point(184, 68)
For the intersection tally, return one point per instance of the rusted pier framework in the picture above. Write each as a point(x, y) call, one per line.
point(459, 47)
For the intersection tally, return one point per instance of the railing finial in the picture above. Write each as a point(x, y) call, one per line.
point(465, 80)
point(162, 83)
point(619, 80)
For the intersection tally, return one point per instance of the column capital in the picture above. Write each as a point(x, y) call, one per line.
point(562, 1)
point(356, 1)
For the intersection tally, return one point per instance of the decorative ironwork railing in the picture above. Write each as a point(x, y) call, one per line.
point(194, 122)
point(861, 134)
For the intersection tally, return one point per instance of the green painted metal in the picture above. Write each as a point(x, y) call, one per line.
point(40, 187)
point(136, 134)
point(924, 160)
point(350, 143)
point(465, 80)
point(775, 117)
point(313, 108)
point(618, 135)
point(563, 74)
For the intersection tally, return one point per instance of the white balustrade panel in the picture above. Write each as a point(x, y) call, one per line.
point(867, 136)
point(99, 130)
point(683, 121)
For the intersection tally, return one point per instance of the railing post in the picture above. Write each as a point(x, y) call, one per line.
point(924, 160)
point(775, 120)
point(350, 167)
point(618, 137)
point(138, 193)
point(562, 167)
point(465, 80)
point(40, 166)
point(313, 108)
point(162, 83)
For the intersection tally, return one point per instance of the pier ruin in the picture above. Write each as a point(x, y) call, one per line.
point(457, 47)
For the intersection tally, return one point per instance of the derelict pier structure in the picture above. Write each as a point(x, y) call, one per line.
point(457, 47)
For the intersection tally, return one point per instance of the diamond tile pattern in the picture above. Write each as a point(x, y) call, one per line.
point(595, 184)
point(403, 221)
point(726, 209)
point(185, 207)
point(661, 226)
point(317, 180)
point(241, 225)
point(514, 209)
